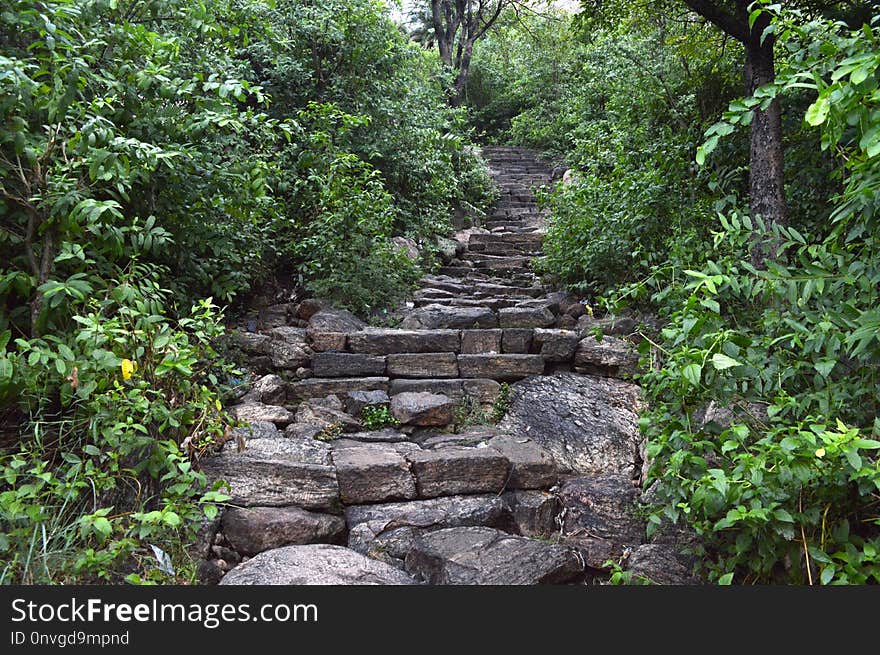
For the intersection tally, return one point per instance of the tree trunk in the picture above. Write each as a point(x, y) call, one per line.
point(766, 157)
point(461, 78)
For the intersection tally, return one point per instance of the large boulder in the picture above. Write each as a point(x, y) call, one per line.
point(588, 424)
point(251, 530)
point(315, 564)
point(486, 556)
point(335, 321)
point(609, 356)
point(662, 564)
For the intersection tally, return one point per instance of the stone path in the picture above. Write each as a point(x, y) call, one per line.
point(375, 455)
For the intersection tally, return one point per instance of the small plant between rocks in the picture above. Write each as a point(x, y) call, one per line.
point(502, 404)
point(330, 433)
point(376, 417)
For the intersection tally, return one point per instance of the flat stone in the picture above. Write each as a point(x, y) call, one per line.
point(326, 417)
point(306, 451)
point(422, 365)
point(254, 412)
point(435, 316)
point(328, 341)
point(256, 430)
point(517, 340)
point(256, 479)
point(485, 556)
point(380, 341)
point(254, 529)
point(531, 513)
point(372, 475)
point(447, 387)
point(386, 435)
point(355, 401)
point(556, 345)
point(422, 408)
point(275, 315)
point(588, 424)
point(611, 356)
point(314, 564)
point(270, 390)
point(500, 367)
point(369, 525)
point(525, 317)
point(531, 466)
point(319, 387)
point(452, 471)
point(341, 365)
point(477, 342)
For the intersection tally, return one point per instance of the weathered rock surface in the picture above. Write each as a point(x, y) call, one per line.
point(531, 466)
point(433, 317)
point(610, 356)
point(254, 412)
point(531, 513)
point(320, 387)
point(334, 320)
point(452, 471)
point(255, 529)
point(485, 556)
point(355, 401)
point(525, 317)
point(556, 345)
point(315, 564)
point(381, 341)
point(372, 475)
point(346, 365)
point(588, 424)
point(423, 365)
point(500, 367)
point(476, 342)
point(423, 408)
point(662, 564)
point(288, 348)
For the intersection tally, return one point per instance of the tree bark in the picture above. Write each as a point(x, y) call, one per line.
point(766, 154)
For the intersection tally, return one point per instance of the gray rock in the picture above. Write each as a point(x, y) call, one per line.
point(453, 471)
point(613, 325)
point(407, 246)
point(662, 564)
point(275, 315)
point(270, 389)
point(355, 401)
point(392, 527)
point(209, 572)
point(525, 317)
point(556, 345)
point(587, 424)
point(433, 317)
point(341, 365)
point(531, 466)
point(307, 451)
point(309, 307)
point(485, 556)
point(288, 348)
point(446, 386)
point(252, 530)
point(386, 435)
point(601, 513)
point(422, 408)
point(610, 356)
point(250, 342)
point(258, 412)
point(485, 392)
point(256, 430)
point(531, 513)
point(328, 341)
point(500, 367)
point(331, 401)
point(423, 365)
point(477, 342)
point(320, 387)
point(517, 340)
point(334, 320)
point(373, 475)
point(260, 480)
point(382, 341)
point(326, 417)
point(315, 564)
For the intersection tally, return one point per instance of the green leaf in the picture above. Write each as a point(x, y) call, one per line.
point(726, 579)
point(825, 366)
point(827, 574)
point(102, 526)
point(817, 113)
point(6, 370)
point(721, 361)
point(692, 373)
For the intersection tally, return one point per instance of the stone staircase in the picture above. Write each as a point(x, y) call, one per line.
point(372, 455)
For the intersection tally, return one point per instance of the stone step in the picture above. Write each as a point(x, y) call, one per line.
point(492, 303)
point(436, 316)
point(500, 367)
point(322, 387)
point(386, 341)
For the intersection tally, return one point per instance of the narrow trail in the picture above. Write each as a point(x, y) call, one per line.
point(373, 455)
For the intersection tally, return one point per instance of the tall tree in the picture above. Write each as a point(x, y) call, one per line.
point(458, 24)
point(766, 154)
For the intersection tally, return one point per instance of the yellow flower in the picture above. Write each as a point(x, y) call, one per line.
point(128, 367)
point(820, 452)
point(217, 404)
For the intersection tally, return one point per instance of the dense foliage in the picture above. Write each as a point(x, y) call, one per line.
point(762, 427)
point(158, 157)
